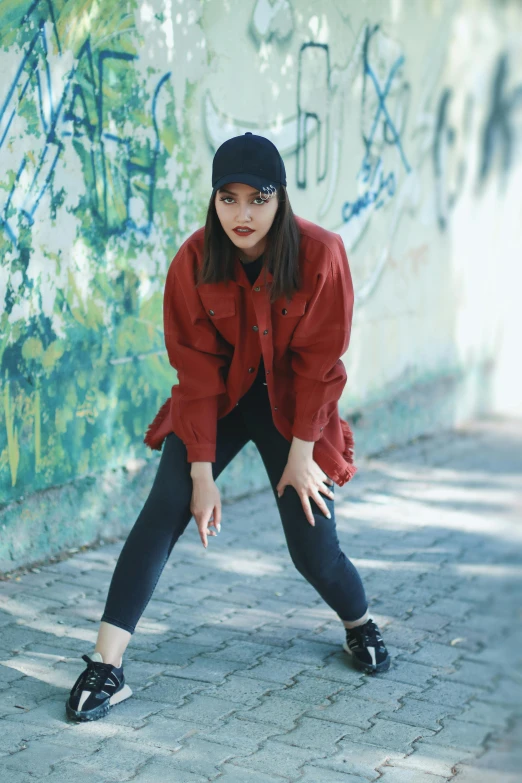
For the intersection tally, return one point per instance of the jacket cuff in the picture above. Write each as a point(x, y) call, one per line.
point(307, 431)
point(201, 453)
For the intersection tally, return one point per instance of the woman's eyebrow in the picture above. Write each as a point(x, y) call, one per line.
point(226, 190)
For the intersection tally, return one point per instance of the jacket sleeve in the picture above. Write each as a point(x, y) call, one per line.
point(319, 340)
point(198, 353)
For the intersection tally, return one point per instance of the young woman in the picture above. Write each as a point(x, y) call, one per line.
point(257, 313)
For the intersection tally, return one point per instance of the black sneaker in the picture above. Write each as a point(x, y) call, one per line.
point(98, 688)
point(364, 643)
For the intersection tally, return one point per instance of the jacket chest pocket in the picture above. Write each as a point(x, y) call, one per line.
point(221, 309)
point(286, 315)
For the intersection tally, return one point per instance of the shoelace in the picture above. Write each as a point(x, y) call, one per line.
point(367, 633)
point(96, 674)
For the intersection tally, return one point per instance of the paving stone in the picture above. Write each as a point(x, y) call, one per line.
point(505, 691)
point(204, 709)
point(274, 635)
point(277, 758)
point(214, 636)
point(357, 758)
point(66, 772)
point(167, 689)
point(176, 652)
point(245, 652)
point(242, 690)
point(346, 709)
point(243, 734)
point(396, 736)
point(444, 692)
point(16, 637)
point(401, 775)
point(339, 668)
point(312, 774)
point(428, 622)
point(461, 735)
point(434, 759)
point(162, 771)
point(382, 689)
point(231, 774)
point(486, 714)
point(318, 734)
point(203, 757)
point(8, 673)
point(118, 759)
point(307, 651)
point(276, 711)
point(205, 669)
point(419, 713)
point(313, 690)
point(476, 674)
point(16, 702)
point(275, 670)
point(440, 655)
point(37, 757)
point(165, 732)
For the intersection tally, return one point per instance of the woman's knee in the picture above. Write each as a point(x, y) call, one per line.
point(318, 568)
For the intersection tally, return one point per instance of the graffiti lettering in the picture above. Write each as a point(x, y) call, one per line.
point(120, 173)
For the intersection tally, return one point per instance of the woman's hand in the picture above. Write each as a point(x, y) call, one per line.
point(205, 506)
point(307, 478)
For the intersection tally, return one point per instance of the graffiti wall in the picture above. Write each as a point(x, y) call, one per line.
point(400, 125)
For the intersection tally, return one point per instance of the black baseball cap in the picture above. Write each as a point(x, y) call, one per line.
point(253, 160)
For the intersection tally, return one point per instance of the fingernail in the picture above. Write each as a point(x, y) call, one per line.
point(219, 528)
point(329, 516)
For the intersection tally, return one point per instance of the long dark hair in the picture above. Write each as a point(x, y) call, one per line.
point(281, 254)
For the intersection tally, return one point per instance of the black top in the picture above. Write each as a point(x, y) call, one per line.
point(252, 270)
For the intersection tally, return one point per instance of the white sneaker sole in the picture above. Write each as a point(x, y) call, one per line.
point(103, 709)
point(120, 696)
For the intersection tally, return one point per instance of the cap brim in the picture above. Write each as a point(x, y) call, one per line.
point(246, 179)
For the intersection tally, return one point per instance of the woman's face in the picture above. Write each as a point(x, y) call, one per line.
point(239, 206)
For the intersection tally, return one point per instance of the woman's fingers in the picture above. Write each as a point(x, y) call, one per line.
point(305, 502)
point(327, 492)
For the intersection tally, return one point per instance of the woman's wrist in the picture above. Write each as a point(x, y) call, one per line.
point(301, 449)
point(201, 470)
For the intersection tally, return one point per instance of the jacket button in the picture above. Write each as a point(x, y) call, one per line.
point(211, 312)
point(251, 369)
point(265, 331)
point(257, 288)
point(255, 328)
point(267, 372)
point(275, 408)
point(320, 429)
point(284, 311)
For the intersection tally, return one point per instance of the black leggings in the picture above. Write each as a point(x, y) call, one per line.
point(315, 551)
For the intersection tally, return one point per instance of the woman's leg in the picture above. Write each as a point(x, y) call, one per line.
point(315, 551)
point(161, 522)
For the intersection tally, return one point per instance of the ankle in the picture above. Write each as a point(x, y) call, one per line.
point(348, 624)
point(109, 659)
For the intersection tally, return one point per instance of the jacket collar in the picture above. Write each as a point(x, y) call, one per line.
point(241, 278)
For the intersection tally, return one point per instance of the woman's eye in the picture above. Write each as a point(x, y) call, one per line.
point(229, 198)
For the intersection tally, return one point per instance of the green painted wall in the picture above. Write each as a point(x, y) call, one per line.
point(94, 159)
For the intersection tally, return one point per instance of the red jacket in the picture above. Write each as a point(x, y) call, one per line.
point(211, 343)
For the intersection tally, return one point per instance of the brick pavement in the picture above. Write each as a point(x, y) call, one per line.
point(236, 665)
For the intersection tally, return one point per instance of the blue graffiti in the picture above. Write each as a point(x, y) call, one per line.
point(371, 169)
point(374, 195)
point(116, 178)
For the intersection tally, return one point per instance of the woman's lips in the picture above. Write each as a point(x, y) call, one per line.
point(242, 233)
